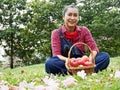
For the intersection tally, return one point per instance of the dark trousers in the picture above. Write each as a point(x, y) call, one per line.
point(56, 66)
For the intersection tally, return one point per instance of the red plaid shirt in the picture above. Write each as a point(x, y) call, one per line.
point(83, 35)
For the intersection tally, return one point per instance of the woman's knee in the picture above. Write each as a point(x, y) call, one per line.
point(52, 61)
point(49, 63)
point(107, 57)
point(102, 61)
point(103, 56)
point(54, 65)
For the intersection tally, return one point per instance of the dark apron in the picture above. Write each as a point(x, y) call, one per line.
point(65, 47)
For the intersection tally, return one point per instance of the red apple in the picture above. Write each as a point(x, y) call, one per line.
point(74, 62)
point(85, 58)
point(81, 62)
point(88, 63)
point(79, 58)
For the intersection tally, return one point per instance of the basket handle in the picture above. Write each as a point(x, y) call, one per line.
point(76, 44)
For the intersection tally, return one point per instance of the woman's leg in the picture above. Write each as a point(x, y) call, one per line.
point(102, 61)
point(55, 66)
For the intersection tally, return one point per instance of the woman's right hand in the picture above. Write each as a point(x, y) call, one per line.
point(65, 59)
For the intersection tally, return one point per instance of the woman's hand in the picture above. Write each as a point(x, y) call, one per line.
point(65, 59)
point(67, 65)
point(92, 56)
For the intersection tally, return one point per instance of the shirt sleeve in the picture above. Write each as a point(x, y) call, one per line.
point(89, 40)
point(55, 43)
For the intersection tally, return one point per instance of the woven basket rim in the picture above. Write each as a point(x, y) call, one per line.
point(82, 67)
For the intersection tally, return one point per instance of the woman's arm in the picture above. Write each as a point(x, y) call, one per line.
point(65, 59)
point(55, 43)
point(62, 58)
point(56, 48)
point(92, 44)
point(92, 56)
point(89, 40)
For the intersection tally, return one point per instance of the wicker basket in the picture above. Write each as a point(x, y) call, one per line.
point(74, 70)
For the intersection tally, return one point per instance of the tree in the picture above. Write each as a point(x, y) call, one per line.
point(47, 17)
point(27, 34)
point(102, 18)
point(14, 17)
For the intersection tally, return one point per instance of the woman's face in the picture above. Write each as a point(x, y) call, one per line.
point(71, 17)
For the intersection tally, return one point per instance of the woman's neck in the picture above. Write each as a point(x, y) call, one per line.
point(70, 29)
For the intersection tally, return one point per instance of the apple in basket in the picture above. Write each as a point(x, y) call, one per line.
point(84, 61)
point(74, 62)
point(85, 58)
point(88, 63)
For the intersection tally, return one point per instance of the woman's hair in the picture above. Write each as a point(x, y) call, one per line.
point(69, 6)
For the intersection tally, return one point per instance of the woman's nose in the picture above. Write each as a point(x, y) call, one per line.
point(72, 17)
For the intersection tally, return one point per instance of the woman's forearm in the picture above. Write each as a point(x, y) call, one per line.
point(62, 57)
point(92, 56)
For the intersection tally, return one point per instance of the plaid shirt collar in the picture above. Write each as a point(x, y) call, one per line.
point(64, 29)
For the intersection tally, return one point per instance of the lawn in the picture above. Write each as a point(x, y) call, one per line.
point(104, 80)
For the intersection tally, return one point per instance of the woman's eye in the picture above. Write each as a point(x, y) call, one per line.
point(75, 15)
point(70, 14)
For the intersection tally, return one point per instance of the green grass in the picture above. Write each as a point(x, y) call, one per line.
point(35, 73)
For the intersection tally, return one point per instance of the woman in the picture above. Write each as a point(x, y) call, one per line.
point(73, 34)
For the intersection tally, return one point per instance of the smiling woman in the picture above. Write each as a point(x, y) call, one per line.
point(67, 35)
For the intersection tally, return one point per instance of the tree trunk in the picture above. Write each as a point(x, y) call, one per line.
point(11, 42)
point(11, 55)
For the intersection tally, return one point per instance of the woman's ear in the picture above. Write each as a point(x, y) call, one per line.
point(63, 17)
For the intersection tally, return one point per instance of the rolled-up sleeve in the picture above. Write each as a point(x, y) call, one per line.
point(55, 43)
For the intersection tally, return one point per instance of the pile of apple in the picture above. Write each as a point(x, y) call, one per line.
point(83, 61)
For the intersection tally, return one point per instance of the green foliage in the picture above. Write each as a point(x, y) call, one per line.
point(0, 63)
point(102, 18)
point(40, 18)
point(15, 16)
point(41, 27)
point(47, 17)
point(106, 32)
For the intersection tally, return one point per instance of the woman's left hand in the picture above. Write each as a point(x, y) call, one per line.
point(67, 65)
